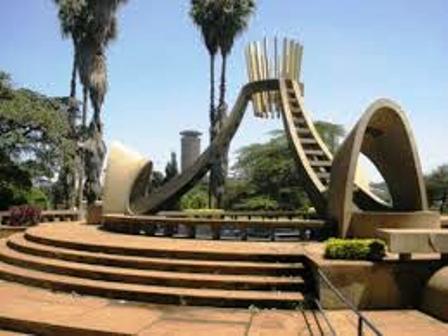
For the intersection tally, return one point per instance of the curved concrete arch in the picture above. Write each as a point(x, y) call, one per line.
point(126, 173)
point(383, 135)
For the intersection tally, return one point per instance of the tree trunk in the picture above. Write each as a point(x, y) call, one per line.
point(82, 137)
point(73, 79)
point(222, 89)
point(212, 97)
point(220, 168)
point(443, 203)
point(212, 116)
point(95, 153)
point(72, 113)
point(85, 103)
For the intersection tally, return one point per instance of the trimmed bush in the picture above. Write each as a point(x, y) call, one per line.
point(24, 215)
point(205, 212)
point(355, 249)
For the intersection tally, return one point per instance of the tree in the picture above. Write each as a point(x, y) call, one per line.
point(233, 20)
point(266, 178)
point(196, 198)
point(14, 182)
point(73, 18)
point(331, 134)
point(437, 187)
point(5, 86)
point(220, 22)
point(266, 175)
point(99, 30)
point(34, 143)
point(205, 15)
point(171, 169)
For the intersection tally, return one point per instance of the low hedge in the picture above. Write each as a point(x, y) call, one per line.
point(355, 249)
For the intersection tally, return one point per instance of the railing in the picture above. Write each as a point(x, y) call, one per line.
point(240, 229)
point(239, 214)
point(362, 320)
point(327, 321)
point(46, 216)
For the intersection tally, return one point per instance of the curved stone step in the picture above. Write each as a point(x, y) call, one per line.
point(93, 240)
point(149, 277)
point(20, 244)
point(159, 294)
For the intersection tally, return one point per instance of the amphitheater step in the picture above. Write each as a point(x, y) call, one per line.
point(150, 277)
point(20, 244)
point(148, 248)
point(160, 294)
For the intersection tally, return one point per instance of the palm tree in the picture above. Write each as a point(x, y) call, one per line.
point(101, 29)
point(204, 15)
point(233, 19)
point(73, 17)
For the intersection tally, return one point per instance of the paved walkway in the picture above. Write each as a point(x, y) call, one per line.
point(54, 313)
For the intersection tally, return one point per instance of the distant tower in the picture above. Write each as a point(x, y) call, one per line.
point(190, 147)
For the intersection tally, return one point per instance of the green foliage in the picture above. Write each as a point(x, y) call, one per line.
point(256, 203)
point(204, 16)
point(330, 133)
point(32, 123)
point(233, 19)
point(266, 178)
point(437, 188)
point(196, 198)
point(221, 21)
point(355, 249)
point(205, 212)
point(35, 143)
point(266, 174)
point(37, 197)
point(171, 169)
point(5, 85)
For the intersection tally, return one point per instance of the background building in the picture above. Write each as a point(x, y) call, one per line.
point(190, 147)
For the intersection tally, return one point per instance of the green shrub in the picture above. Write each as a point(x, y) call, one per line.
point(197, 198)
point(205, 212)
point(355, 249)
point(37, 197)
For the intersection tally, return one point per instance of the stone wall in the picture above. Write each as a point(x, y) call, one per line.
point(389, 284)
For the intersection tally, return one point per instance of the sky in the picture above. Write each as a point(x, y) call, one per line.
point(354, 52)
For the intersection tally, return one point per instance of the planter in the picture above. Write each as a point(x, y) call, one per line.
point(94, 214)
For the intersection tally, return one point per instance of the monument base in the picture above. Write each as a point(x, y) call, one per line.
point(366, 224)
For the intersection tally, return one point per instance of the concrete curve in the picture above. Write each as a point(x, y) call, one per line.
point(126, 171)
point(435, 295)
point(383, 135)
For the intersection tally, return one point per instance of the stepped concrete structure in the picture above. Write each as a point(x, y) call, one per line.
point(128, 259)
point(79, 258)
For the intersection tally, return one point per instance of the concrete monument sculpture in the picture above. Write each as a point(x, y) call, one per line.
point(383, 135)
point(275, 90)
